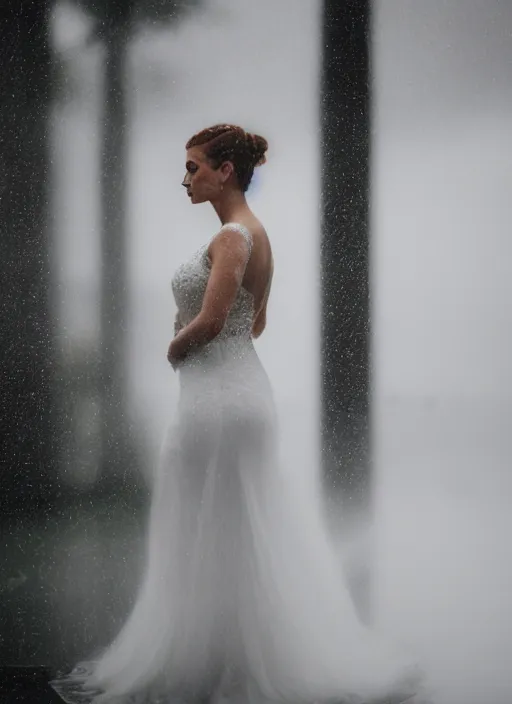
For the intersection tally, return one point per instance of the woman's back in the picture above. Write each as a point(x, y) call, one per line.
point(259, 273)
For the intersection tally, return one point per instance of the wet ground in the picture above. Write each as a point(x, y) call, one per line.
point(67, 582)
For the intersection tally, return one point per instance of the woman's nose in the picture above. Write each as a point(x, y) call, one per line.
point(186, 181)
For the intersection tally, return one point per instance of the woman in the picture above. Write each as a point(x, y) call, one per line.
point(242, 598)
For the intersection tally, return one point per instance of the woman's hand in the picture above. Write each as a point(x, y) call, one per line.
point(175, 354)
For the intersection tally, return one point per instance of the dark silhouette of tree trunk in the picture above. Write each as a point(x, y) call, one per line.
point(27, 445)
point(345, 244)
point(119, 455)
point(117, 21)
point(345, 370)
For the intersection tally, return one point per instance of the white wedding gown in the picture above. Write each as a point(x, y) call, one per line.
point(243, 595)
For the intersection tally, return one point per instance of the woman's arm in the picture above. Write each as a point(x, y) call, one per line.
point(229, 253)
point(177, 324)
point(260, 322)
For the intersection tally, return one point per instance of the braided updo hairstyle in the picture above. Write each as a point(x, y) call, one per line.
point(232, 143)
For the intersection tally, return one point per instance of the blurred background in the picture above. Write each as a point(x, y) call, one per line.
point(441, 291)
point(388, 343)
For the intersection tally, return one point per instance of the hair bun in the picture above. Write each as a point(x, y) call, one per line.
point(258, 146)
point(227, 142)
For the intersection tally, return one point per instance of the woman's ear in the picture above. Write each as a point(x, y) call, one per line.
point(227, 169)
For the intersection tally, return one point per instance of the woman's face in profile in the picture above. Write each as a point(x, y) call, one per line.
point(201, 181)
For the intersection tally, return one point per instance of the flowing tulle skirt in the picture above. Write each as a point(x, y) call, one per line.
point(243, 598)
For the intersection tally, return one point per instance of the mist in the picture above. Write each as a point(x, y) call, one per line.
point(442, 341)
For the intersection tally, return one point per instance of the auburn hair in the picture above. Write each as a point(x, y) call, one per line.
point(222, 143)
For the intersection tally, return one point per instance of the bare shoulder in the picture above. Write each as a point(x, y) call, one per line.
point(259, 234)
point(228, 241)
point(228, 237)
point(256, 226)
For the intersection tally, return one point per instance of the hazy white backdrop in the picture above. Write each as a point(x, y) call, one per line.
point(443, 343)
point(441, 289)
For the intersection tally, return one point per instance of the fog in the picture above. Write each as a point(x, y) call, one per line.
point(442, 340)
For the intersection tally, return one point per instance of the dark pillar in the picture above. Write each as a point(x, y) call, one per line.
point(27, 447)
point(345, 383)
point(344, 250)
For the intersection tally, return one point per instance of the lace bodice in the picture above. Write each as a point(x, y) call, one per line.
point(189, 285)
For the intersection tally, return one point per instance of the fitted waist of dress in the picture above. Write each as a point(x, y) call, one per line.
point(227, 345)
point(229, 342)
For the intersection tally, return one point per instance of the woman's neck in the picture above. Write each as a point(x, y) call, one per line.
point(231, 206)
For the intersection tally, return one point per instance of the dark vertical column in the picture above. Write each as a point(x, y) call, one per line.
point(27, 448)
point(118, 447)
point(345, 123)
point(116, 22)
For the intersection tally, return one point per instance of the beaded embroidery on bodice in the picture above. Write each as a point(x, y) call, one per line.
point(189, 285)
